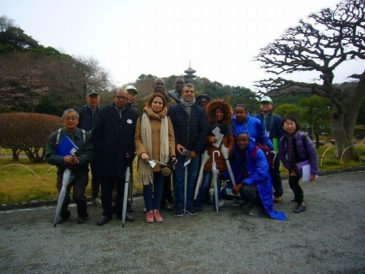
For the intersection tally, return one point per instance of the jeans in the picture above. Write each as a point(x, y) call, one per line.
point(152, 194)
point(179, 178)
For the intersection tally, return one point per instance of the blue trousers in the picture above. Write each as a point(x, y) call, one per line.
point(179, 177)
point(152, 194)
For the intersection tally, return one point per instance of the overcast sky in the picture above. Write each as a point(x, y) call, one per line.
point(160, 37)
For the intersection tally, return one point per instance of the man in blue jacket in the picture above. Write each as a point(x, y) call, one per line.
point(251, 171)
point(191, 130)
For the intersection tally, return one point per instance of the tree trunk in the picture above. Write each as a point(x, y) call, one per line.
point(15, 154)
point(343, 137)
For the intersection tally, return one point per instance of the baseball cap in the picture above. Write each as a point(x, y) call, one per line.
point(266, 99)
point(93, 93)
point(131, 89)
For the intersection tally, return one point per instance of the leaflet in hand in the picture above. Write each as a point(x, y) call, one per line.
point(66, 147)
point(219, 136)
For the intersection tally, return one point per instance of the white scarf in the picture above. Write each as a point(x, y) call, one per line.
point(145, 172)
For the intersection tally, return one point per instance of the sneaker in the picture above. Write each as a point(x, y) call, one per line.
point(191, 211)
point(278, 199)
point(255, 211)
point(179, 212)
point(300, 207)
point(149, 217)
point(157, 216)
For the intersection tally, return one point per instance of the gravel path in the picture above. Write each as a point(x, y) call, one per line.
point(328, 238)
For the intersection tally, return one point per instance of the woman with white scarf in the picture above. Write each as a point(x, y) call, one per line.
point(154, 141)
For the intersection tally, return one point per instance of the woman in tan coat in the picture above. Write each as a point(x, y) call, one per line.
point(155, 146)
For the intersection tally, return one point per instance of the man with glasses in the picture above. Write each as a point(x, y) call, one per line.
point(78, 163)
point(113, 139)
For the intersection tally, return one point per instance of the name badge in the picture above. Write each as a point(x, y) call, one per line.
point(129, 121)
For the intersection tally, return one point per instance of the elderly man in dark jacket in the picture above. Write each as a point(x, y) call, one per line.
point(191, 129)
point(88, 114)
point(78, 163)
point(113, 139)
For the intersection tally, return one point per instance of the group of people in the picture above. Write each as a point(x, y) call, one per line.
point(183, 145)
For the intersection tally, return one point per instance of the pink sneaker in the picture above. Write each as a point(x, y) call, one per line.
point(149, 216)
point(157, 216)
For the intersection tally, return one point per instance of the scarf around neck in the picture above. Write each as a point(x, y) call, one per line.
point(145, 171)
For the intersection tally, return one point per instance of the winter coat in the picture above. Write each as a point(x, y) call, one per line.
point(228, 140)
point(272, 123)
point(84, 154)
point(304, 150)
point(253, 127)
point(155, 122)
point(257, 174)
point(190, 131)
point(113, 139)
point(86, 119)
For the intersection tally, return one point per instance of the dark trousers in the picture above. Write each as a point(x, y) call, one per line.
point(79, 183)
point(298, 191)
point(107, 185)
point(276, 179)
point(167, 190)
point(152, 193)
point(251, 195)
point(95, 177)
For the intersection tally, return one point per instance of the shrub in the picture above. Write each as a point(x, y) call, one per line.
point(27, 132)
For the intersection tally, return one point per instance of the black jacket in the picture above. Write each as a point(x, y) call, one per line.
point(273, 124)
point(113, 139)
point(191, 132)
point(86, 119)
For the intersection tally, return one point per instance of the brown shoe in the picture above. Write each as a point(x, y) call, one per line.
point(300, 207)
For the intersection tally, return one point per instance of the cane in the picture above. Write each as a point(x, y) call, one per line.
point(214, 179)
point(126, 185)
point(186, 163)
point(205, 158)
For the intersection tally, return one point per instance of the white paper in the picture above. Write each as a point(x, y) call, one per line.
point(152, 163)
point(218, 135)
point(306, 173)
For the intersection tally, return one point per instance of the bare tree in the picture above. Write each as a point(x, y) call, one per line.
point(321, 43)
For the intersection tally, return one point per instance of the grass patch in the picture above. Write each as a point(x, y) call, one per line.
point(24, 181)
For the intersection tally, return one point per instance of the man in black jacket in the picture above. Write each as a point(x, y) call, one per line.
point(191, 129)
point(113, 139)
point(88, 114)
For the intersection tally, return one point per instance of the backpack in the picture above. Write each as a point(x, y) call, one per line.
point(59, 135)
point(269, 155)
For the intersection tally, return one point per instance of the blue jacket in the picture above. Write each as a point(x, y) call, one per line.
point(190, 131)
point(254, 129)
point(257, 174)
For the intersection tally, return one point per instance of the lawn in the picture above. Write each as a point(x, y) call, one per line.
point(24, 181)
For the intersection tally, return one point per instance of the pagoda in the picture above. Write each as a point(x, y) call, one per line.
point(189, 75)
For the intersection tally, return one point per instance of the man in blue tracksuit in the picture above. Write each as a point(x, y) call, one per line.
point(251, 171)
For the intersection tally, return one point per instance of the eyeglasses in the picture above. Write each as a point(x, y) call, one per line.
point(72, 118)
point(121, 97)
